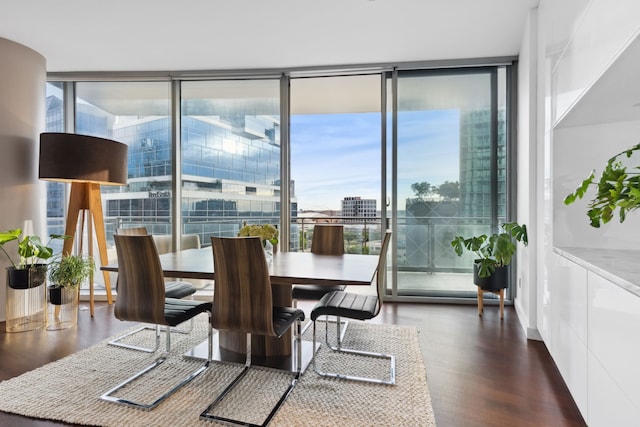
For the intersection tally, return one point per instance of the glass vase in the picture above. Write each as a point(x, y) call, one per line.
point(63, 308)
point(268, 250)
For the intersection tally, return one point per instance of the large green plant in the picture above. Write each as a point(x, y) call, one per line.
point(31, 250)
point(70, 271)
point(495, 250)
point(617, 189)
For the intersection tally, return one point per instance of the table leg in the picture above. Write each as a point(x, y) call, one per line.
point(286, 363)
point(265, 350)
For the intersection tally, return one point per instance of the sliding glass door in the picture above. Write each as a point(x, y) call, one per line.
point(335, 159)
point(449, 164)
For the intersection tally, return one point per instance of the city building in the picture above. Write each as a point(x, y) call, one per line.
point(216, 198)
point(357, 207)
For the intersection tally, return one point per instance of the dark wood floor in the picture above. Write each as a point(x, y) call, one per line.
point(481, 371)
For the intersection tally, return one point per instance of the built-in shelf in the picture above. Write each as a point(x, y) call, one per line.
point(603, 122)
point(614, 96)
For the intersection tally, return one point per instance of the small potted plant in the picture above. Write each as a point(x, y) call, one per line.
point(266, 232)
point(493, 254)
point(30, 270)
point(268, 236)
point(68, 273)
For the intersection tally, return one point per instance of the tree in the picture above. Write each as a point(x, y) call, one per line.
point(449, 190)
point(421, 189)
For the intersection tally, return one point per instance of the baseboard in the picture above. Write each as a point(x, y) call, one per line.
point(531, 333)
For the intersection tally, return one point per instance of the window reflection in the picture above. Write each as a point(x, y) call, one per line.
point(230, 155)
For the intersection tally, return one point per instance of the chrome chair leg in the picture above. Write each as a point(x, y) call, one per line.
point(340, 349)
point(177, 330)
point(207, 415)
point(345, 323)
point(117, 342)
point(343, 328)
point(108, 396)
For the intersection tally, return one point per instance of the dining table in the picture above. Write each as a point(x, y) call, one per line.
point(285, 270)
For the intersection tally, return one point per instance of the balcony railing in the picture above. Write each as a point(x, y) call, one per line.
point(423, 243)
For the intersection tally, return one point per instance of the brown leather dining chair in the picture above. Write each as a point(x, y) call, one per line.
point(243, 302)
point(328, 239)
point(172, 289)
point(355, 306)
point(141, 298)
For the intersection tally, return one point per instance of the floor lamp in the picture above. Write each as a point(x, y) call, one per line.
point(86, 162)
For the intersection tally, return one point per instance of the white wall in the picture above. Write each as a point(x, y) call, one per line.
point(22, 116)
point(577, 43)
point(527, 165)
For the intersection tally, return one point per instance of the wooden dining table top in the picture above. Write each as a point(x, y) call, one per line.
point(287, 268)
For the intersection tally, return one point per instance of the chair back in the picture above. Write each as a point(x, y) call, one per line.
point(328, 239)
point(164, 242)
point(242, 299)
point(136, 231)
point(140, 282)
point(381, 270)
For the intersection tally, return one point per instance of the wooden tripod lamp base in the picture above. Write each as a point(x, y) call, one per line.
point(85, 197)
point(87, 162)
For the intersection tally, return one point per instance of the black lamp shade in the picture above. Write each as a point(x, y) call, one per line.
point(81, 158)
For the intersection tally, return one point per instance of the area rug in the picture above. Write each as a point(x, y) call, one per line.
point(68, 390)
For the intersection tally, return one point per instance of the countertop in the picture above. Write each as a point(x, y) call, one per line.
point(620, 266)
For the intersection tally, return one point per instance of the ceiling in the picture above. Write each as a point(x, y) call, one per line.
point(186, 35)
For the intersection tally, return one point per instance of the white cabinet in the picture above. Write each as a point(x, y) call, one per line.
point(614, 344)
point(567, 341)
point(608, 406)
point(594, 335)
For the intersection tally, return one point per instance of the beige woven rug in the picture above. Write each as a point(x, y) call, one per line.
point(68, 390)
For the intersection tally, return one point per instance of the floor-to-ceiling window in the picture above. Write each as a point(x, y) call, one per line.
point(335, 158)
point(450, 173)
point(230, 139)
point(137, 114)
point(423, 152)
point(56, 199)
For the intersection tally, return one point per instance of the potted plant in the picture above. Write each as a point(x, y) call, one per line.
point(268, 235)
point(68, 273)
point(493, 254)
point(30, 270)
point(616, 189)
point(266, 232)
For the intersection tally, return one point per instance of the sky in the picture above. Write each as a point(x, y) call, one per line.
point(338, 155)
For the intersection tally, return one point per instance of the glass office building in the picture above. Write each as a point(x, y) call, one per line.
point(230, 171)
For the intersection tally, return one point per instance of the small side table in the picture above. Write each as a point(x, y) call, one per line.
point(481, 292)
